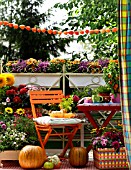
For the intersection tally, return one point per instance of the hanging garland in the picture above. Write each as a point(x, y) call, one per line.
point(70, 32)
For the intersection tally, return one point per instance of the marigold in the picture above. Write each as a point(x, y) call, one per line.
point(2, 81)
point(9, 110)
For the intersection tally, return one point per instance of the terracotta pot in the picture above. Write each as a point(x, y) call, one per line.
point(115, 98)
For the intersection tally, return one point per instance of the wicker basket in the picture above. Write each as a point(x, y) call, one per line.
point(107, 158)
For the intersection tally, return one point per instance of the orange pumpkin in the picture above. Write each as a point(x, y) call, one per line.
point(78, 157)
point(32, 157)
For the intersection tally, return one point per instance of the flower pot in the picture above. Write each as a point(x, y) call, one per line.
point(107, 158)
point(9, 155)
point(115, 98)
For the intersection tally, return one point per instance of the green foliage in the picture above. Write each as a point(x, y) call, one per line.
point(111, 76)
point(26, 125)
point(16, 132)
point(83, 92)
point(95, 14)
point(103, 89)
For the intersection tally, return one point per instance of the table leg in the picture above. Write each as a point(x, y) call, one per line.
point(106, 122)
point(91, 119)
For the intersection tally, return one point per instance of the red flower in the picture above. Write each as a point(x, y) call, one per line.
point(23, 90)
point(21, 86)
point(76, 98)
point(14, 88)
point(17, 99)
point(10, 92)
point(115, 144)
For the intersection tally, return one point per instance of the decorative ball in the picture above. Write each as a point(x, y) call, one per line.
point(32, 157)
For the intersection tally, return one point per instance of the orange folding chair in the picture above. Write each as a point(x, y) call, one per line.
point(51, 97)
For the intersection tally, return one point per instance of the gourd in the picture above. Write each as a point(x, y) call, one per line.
point(78, 157)
point(32, 157)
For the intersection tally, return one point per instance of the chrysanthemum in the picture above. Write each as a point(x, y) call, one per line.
point(2, 80)
point(20, 111)
point(10, 79)
point(9, 110)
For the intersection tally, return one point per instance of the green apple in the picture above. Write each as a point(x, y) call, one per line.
point(48, 165)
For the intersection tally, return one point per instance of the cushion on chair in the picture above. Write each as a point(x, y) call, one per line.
point(47, 120)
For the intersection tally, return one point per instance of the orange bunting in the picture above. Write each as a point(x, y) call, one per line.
point(27, 28)
point(34, 29)
point(54, 32)
point(15, 26)
point(22, 27)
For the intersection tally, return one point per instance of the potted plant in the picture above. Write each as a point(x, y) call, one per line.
point(69, 103)
point(111, 77)
point(104, 92)
point(108, 148)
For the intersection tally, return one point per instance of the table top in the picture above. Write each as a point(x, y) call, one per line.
point(99, 106)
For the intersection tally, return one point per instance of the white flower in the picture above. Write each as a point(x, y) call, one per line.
point(7, 99)
point(23, 138)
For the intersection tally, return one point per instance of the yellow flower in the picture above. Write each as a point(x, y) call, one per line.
point(2, 80)
point(20, 111)
point(31, 61)
point(9, 110)
point(10, 79)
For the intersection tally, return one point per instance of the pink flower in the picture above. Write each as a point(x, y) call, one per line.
point(104, 142)
point(7, 99)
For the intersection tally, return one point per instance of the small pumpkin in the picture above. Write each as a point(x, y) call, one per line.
point(32, 157)
point(78, 157)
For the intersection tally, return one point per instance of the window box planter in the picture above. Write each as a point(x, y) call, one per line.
point(42, 79)
point(85, 79)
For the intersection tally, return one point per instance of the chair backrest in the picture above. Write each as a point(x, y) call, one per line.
point(45, 97)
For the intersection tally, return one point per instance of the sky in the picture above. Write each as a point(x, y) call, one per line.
point(58, 14)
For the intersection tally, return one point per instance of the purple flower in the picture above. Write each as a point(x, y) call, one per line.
point(83, 66)
point(3, 126)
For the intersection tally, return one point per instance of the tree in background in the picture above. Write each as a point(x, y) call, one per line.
point(27, 44)
point(95, 14)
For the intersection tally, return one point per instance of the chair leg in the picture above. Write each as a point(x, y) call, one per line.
point(43, 142)
point(69, 143)
point(40, 138)
point(47, 136)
